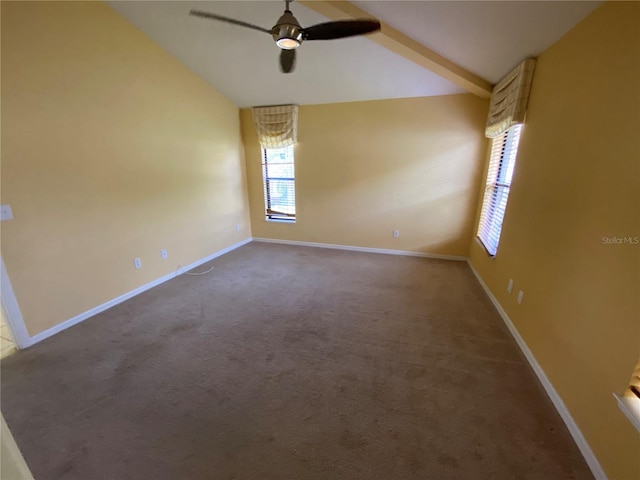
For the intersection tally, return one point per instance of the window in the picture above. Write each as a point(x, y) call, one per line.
point(629, 402)
point(279, 184)
point(501, 166)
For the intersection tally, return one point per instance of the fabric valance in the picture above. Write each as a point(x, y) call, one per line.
point(277, 126)
point(509, 99)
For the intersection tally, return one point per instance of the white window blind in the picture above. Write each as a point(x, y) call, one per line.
point(279, 184)
point(501, 165)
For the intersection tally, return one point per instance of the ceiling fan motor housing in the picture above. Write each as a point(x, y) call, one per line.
point(289, 35)
point(287, 32)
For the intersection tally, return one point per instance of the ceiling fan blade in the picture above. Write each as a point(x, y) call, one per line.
point(340, 29)
point(287, 60)
point(213, 16)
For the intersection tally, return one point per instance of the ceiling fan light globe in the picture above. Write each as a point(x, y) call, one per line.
point(287, 35)
point(287, 43)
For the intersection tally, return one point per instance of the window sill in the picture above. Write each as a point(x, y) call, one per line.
point(479, 242)
point(630, 406)
point(273, 220)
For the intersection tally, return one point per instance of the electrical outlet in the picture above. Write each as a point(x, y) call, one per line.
point(5, 212)
point(510, 285)
point(163, 253)
point(396, 234)
point(137, 263)
point(520, 295)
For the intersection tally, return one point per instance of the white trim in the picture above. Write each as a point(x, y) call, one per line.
point(385, 251)
point(23, 340)
point(581, 442)
point(111, 303)
point(631, 408)
point(278, 220)
point(11, 310)
point(11, 455)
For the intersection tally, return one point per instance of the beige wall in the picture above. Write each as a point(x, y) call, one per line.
point(111, 149)
point(577, 180)
point(364, 169)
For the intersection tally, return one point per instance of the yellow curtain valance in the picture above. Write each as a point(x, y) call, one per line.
point(277, 126)
point(509, 99)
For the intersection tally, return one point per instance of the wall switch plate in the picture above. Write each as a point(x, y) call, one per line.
point(510, 285)
point(163, 253)
point(5, 212)
point(137, 263)
point(396, 234)
point(520, 295)
point(237, 227)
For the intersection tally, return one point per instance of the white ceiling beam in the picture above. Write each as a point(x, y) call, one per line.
point(399, 43)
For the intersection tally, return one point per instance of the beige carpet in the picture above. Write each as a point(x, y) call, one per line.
point(290, 363)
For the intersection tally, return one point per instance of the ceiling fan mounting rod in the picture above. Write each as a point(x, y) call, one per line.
point(287, 31)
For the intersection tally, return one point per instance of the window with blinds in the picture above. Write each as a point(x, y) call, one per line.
point(501, 166)
point(634, 384)
point(629, 402)
point(279, 184)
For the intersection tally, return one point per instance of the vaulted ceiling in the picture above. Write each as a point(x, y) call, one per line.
point(425, 48)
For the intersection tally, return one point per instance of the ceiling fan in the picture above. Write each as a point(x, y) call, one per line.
point(289, 35)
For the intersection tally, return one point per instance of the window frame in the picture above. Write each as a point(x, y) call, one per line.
point(629, 401)
point(272, 215)
point(504, 151)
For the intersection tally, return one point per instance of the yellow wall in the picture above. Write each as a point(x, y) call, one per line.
point(364, 169)
point(111, 149)
point(577, 180)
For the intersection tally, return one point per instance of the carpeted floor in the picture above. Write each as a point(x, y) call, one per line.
point(290, 363)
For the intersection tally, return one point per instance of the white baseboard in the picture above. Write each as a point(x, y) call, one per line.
point(385, 251)
point(631, 409)
point(111, 303)
point(11, 310)
point(581, 442)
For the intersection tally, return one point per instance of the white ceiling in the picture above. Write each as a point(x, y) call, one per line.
point(486, 38)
